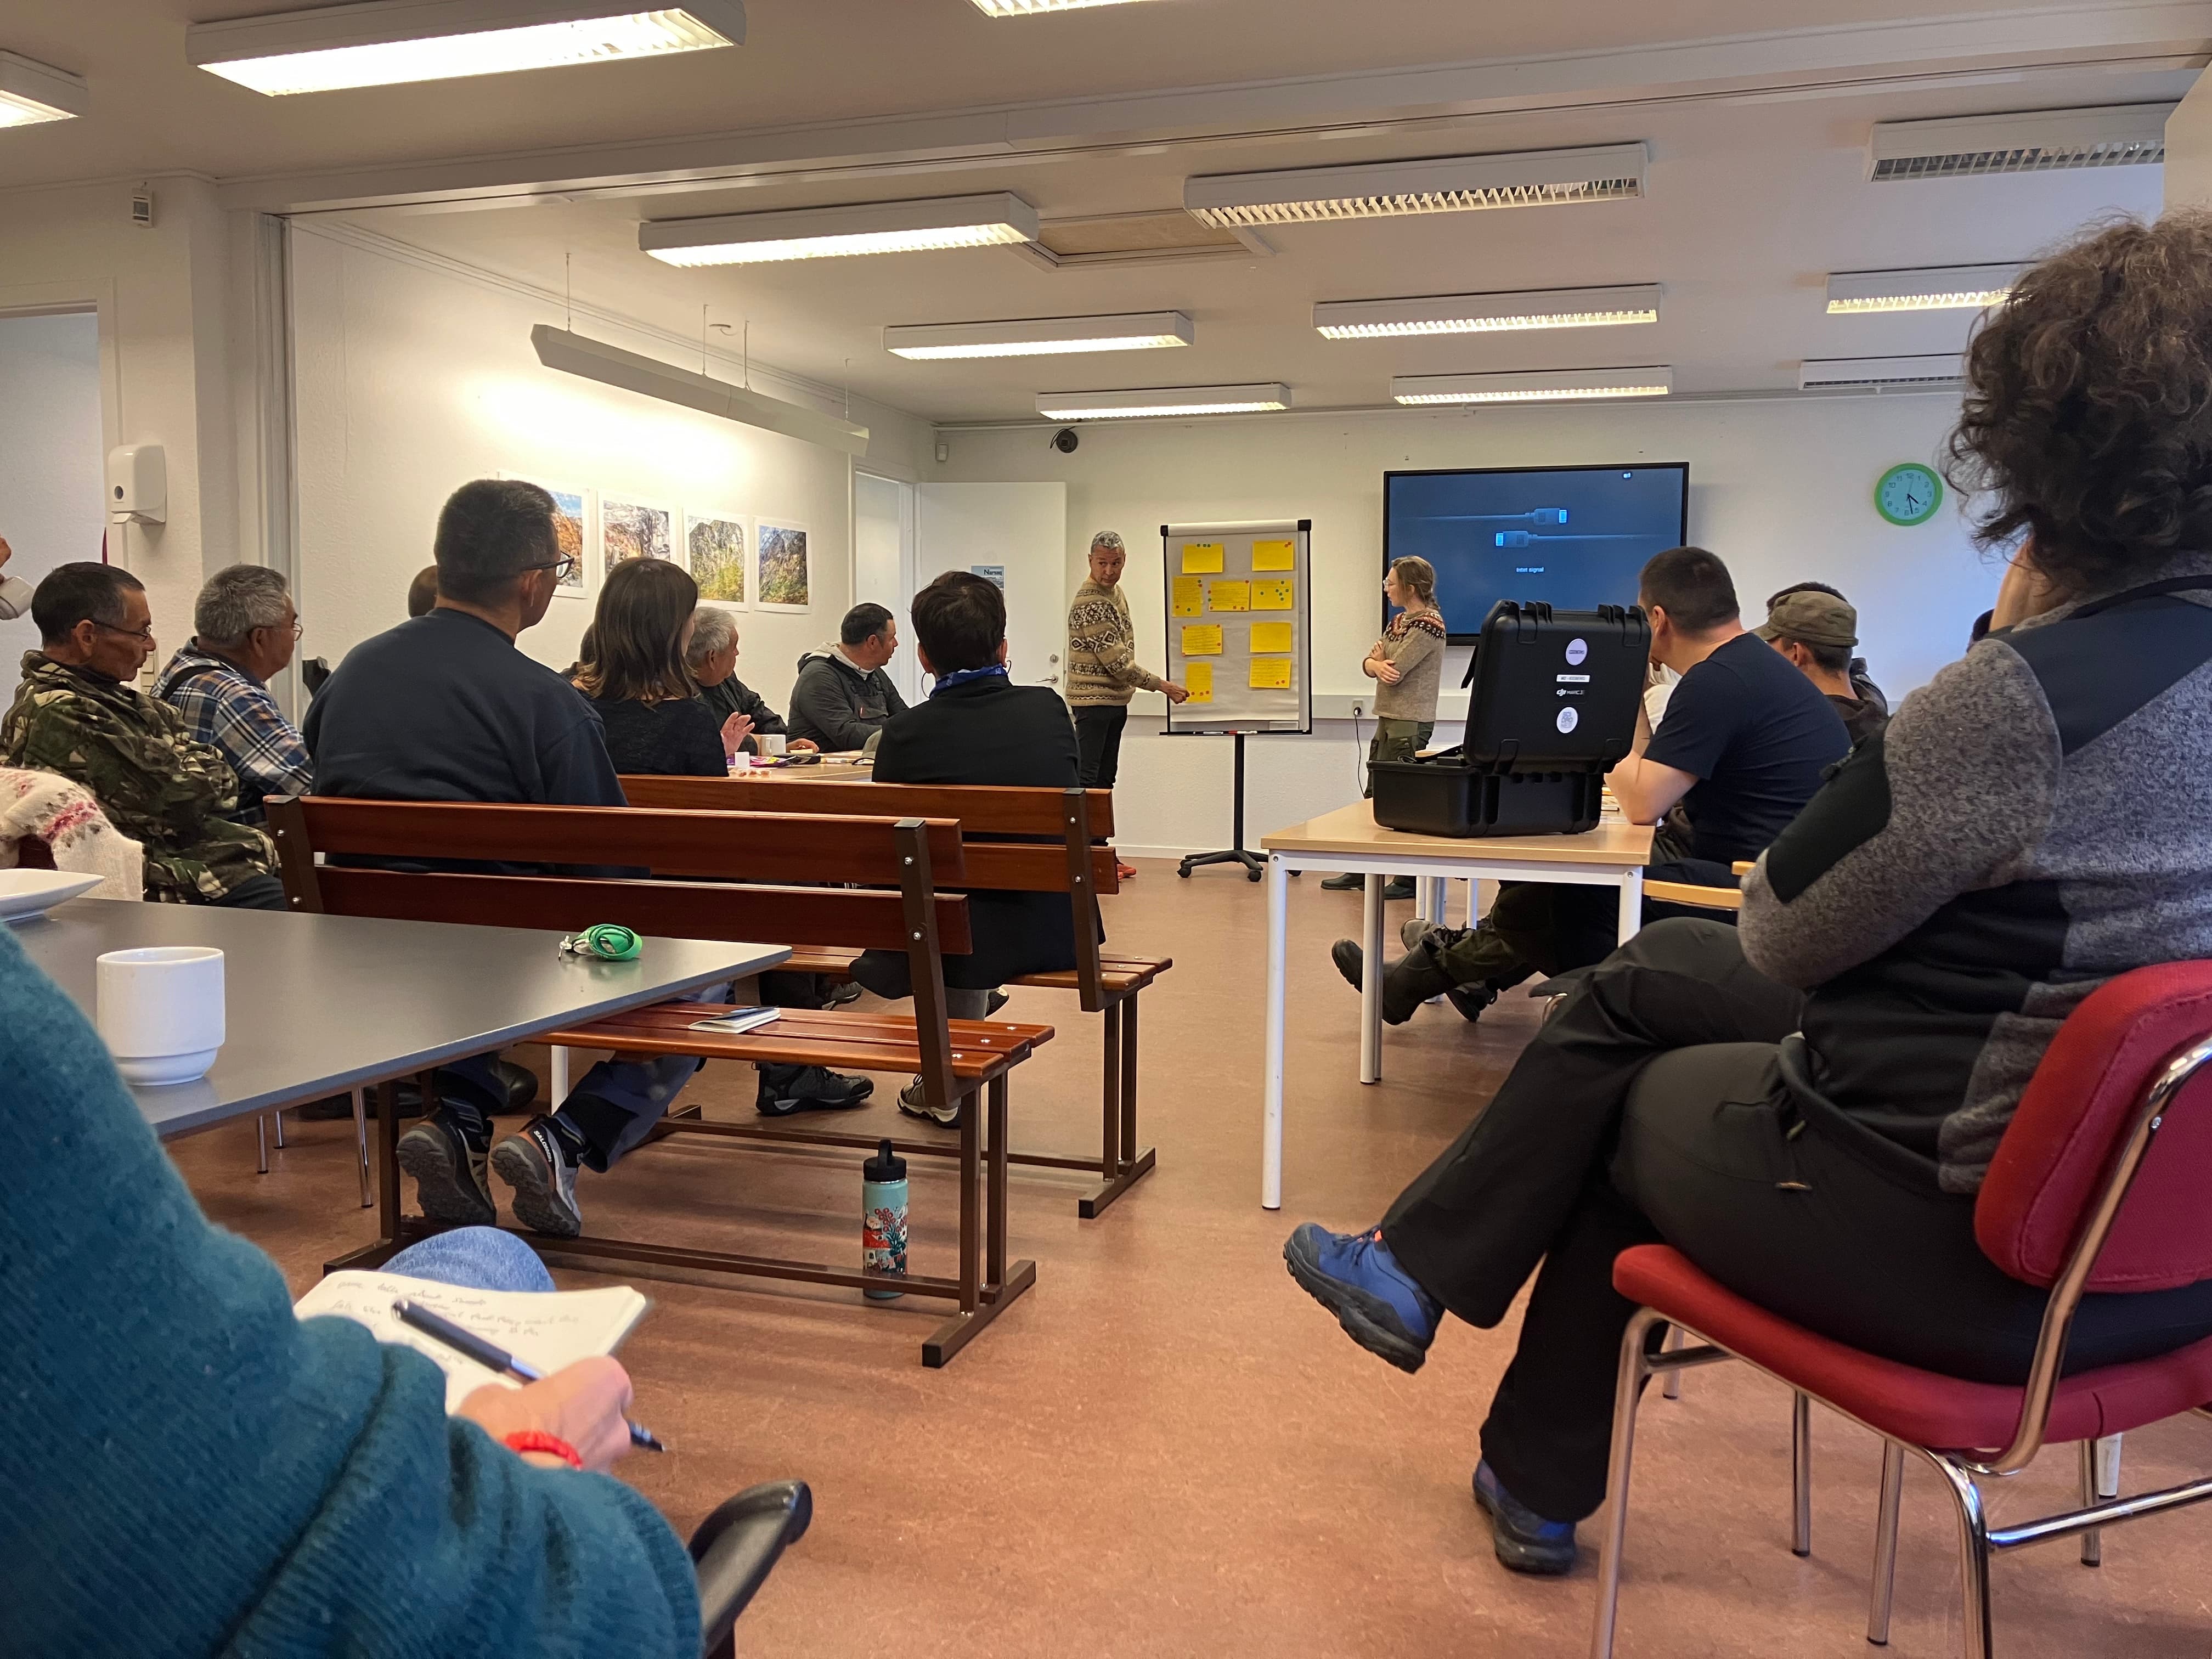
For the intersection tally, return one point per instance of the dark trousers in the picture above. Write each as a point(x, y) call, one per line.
point(1649, 1108)
point(1552, 928)
point(1099, 738)
point(254, 893)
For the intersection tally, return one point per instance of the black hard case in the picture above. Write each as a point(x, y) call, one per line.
point(1554, 709)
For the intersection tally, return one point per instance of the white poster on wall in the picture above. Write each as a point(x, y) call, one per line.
point(784, 580)
point(718, 545)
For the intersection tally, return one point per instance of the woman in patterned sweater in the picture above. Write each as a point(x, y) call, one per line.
point(1406, 664)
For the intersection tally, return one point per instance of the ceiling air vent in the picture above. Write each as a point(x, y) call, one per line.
point(1124, 239)
point(1943, 368)
point(1389, 189)
point(2032, 141)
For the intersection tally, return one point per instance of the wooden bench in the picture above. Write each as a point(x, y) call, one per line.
point(894, 865)
point(1066, 853)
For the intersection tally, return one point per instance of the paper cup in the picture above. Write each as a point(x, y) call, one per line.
point(771, 743)
point(160, 1010)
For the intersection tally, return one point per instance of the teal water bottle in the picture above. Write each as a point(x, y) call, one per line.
point(882, 1218)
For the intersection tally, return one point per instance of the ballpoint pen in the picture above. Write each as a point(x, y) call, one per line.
point(489, 1355)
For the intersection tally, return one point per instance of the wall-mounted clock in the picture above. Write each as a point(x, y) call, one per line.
point(1908, 495)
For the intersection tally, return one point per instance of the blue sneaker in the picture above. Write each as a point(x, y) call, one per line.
point(1355, 1278)
point(1524, 1540)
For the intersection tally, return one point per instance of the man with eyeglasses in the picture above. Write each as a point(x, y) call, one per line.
point(244, 629)
point(79, 713)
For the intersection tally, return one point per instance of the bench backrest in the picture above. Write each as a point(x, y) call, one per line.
point(1079, 864)
point(897, 907)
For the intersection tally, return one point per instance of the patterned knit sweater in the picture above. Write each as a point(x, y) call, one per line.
point(1101, 649)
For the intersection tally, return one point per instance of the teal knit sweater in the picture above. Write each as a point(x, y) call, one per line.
point(187, 1469)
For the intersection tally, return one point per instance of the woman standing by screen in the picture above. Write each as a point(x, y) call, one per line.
point(1407, 664)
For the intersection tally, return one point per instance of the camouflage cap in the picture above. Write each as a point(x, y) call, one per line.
point(1816, 618)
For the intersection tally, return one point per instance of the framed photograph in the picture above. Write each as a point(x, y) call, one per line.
point(572, 524)
point(717, 544)
point(784, 583)
point(630, 531)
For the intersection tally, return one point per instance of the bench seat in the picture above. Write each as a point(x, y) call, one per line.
point(981, 1050)
point(1119, 976)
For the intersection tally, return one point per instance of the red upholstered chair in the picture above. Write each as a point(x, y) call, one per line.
point(2074, 1201)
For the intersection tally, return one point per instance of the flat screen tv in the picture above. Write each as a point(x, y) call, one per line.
point(1573, 536)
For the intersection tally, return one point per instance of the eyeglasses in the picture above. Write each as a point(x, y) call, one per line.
point(563, 568)
point(145, 634)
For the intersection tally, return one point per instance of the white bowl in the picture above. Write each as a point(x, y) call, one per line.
point(25, 894)
point(168, 1068)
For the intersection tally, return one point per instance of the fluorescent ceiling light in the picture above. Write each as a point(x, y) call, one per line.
point(1162, 400)
point(1933, 370)
point(2031, 141)
point(1935, 287)
point(594, 360)
point(31, 93)
point(744, 239)
point(381, 43)
point(1483, 314)
point(1449, 183)
point(1041, 337)
point(1036, 8)
point(1541, 387)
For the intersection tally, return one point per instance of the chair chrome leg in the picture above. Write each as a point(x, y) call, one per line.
point(277, 1116)
point(361, 1143)
point(1882, 1591)
point(261, 1143)
point(1977, 1640)
point(2101, 1478)
point(1627, 1390)
point(1801, 1474)
point(1671, 1384)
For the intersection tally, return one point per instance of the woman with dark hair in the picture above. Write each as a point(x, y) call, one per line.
point(2035, 821)
point(1407, 664)
point(633, 672)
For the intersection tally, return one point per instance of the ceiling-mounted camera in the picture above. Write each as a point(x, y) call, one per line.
point(1066, 440)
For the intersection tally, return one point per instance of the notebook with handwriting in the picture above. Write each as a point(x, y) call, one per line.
point(548, 1329)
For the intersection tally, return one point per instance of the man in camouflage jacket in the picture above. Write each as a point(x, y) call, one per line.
point(78, 712)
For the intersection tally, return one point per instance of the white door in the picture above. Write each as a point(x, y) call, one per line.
point(883, 563)
point(1017, 535)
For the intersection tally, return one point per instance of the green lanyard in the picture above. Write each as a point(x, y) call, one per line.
point(608, 941)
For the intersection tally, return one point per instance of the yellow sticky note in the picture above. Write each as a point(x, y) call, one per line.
point(1274, 556)
point(1229, 596)
point(1271, 637)
point(1271, 674)
point(1272, 595)
point(1198, 680)
point(1202, 639)
point(1200, 557)
point(1190, 596)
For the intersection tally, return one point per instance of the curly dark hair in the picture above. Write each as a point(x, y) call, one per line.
point(2088, 415)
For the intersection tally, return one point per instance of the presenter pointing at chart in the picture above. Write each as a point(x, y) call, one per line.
point(1103, 672)
point(1407, 664)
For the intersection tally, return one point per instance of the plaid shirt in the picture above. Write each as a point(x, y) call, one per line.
point(226, 707)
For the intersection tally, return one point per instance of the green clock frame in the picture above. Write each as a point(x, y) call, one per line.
point(1892, 484)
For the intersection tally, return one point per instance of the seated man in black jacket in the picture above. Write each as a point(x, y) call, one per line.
point(979, 728)
point(842, 697)
point(712, 659)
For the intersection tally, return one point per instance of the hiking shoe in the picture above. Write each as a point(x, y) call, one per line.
point(1524, 1540)
point(1350, 882)
point(914, 1103)
point(536, 1164)
point(1407, 983)
point(1355, 1278)
point(449, 1173)
point(839, 996)
point(995, 1001)
point(788, 1089)
point(1398, 887)
point(1472, 999)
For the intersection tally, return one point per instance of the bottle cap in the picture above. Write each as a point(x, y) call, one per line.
point(886, 1166)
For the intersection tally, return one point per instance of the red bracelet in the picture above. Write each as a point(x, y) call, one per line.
point(537, 1440)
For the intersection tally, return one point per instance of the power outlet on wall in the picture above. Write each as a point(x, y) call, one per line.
point(1359, 710)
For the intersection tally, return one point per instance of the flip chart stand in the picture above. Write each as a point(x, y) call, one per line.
point(1254, 864)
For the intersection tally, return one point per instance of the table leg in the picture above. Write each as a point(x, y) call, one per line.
point(1271, 1126)
point(360, 1142)
point(1632, 903)
point(1435, 894)
point(557, 1077)
point(1370, 986)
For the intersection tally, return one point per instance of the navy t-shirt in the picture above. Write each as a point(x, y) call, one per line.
point(1757, 734)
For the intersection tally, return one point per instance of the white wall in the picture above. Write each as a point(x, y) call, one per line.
point(413, 377)
point(1780, 488)
point(50, 454)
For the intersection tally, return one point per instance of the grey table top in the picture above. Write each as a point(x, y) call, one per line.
point(318, 1004)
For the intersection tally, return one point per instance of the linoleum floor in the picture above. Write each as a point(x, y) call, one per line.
point(1165, 1448)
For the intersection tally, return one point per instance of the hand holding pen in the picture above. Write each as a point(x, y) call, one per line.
point(503, 1411)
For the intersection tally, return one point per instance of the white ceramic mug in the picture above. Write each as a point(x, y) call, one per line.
point(160, 1010)
point(769, 744)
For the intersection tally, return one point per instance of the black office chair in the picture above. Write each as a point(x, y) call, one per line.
point(734, 1550)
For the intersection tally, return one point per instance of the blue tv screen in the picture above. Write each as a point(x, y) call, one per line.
point(1573, 536)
